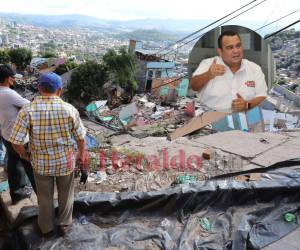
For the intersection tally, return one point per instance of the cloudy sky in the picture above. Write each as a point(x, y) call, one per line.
point(172, 9)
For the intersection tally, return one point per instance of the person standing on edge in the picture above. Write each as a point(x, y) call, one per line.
point(228, 82)
point(51, 124)
point(10, 104)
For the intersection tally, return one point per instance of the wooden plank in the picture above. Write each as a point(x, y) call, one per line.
point(197, 123)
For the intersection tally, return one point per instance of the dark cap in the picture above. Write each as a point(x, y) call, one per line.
point(51, 80)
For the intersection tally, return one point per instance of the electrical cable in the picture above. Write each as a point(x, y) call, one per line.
point(276, 5)
point(215, 27)
point(197, 31)
point(276, 32)
point(277, 20)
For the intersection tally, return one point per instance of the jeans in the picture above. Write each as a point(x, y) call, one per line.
point(15, 175)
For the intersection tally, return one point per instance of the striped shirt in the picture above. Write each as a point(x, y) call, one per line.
point(52, 125)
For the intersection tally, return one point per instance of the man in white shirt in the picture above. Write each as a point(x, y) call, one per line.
point(10, 104)
point(228, 82)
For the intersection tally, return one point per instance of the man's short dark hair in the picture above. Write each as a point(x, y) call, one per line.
point(6, 71)
point(226, 33)
point(47, 88)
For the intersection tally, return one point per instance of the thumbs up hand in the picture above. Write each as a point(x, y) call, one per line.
point(216, 69)
point(239, 104)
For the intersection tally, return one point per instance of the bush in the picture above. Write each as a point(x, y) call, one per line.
point(67, 66)
point(122, 67)
point(86, 82)
point(4, 57)
point(21, 57)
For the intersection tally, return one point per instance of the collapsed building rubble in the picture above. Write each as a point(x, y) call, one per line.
point(144, 126)
point(148, 121)
point(151, 145)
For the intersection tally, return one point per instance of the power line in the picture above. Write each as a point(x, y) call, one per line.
point(277, 20)
point(197, 31)
point(215, 27)
point(276, 32)
point(276, 5)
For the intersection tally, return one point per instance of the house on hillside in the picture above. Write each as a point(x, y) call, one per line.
point(156, 75)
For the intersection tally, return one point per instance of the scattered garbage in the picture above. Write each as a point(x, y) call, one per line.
point(289, 217)
point(82, 220)
point(186, 178)
point(262, 140)
point(100, 176)
point(90, 142)
point(165, 223)
point(97, 177)
point(205, 224)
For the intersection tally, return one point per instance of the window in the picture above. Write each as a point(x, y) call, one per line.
point(150, 74)
point(157, 74)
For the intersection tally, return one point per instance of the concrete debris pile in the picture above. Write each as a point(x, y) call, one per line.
point(142, 147)
point(27, 87)
point(146, 115)
point(277, 121)
point(154, 163)
point(131, 154)
point(282, 100)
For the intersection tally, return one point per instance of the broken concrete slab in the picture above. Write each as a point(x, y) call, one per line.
point(97, 128)
point(287, 151)
point(155, 145)
point(128, 111)
point(295, 141)
point(197, 123)
point(180, 151)
point(241, 143)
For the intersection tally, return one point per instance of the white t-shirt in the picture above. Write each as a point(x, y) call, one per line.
point(218, 93)
point(10, 104)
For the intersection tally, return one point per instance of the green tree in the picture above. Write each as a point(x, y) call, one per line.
point(67, 66)
point(86, 83)
point(4, 57)
point(21, 57)
point(122, 66)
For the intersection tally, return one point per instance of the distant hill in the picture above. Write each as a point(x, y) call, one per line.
point(54, 20)
point(174, 25)
point(84, 21)
point(150, 35)
point(166, 24)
